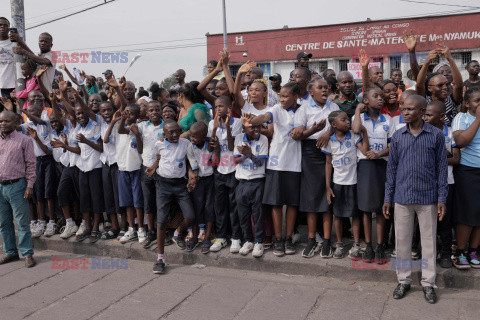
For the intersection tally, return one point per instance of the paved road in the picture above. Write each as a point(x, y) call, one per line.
point(198, 292)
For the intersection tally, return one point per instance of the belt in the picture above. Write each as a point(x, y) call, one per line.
point(7, 182)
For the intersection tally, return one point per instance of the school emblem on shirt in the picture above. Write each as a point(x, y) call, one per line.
point(386, 127)
point(133, 143)
point(180, 164)
point(447, 140)
point(258, 148)
point(348, 144)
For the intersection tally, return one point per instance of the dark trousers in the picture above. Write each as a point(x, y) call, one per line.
point(91, 191)
point(249, 195)
point(225, 205)
point(110, 188)
point(149, 193)
point(68, 189)
point(202, 198)
point(444, 227)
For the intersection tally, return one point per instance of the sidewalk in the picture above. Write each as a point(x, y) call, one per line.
point(343, 269)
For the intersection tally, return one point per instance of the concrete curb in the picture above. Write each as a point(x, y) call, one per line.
point(291, 265)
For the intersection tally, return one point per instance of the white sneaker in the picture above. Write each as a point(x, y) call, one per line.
point(69, 231)
point(39, 229)
point(33, 225)
point(50, 230)
point(258, 250)
point(129, 235)
point(319, 240)
point(235, 246)
point(218, 244)
point(247, 247)
point(142, 235)
point(82, 228)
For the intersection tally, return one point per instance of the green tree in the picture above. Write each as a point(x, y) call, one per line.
point(168, 82)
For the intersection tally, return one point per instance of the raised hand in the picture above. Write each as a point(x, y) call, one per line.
point(117, 116)
point(7, 103)
point(247, 66)
point(63, 67)
point(112, 82)
point(410, 40)
point(246, 118)
point(433, 54)
point(62, 85)
point(58, 94)
point(41, 71)
point(364, 58)
point(32, 132)
point(225, 56)
point(122, 82)
point(444, 50)
point(320, 125)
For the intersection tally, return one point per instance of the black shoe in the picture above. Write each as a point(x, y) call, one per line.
point(95, 236)
point(400, 291)
point(289, 247)
point(368, 254)
point(430, 295)
point(180, 241)
point(309, 251)
point(149, 240)
point(327, 251)
point(191, 244)
point(445, 260)
point(380, 257)
point(278, 247)
point(110, 234)
point(159, 267)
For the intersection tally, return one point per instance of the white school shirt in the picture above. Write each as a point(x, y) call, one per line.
point(226, 164)
point(309, 113)
point(44, 133)
point(272, 99)
point(449, 144)
point(150, 134)
point(204, 159)
point(379, 132)
point(344, 158)
point(249, 108)
point(89, 158)
point(172, 158)
point(7, 65)
point(128, 157)
point(247, 169)
point(65, 157)
point(302, 100)
point(285, 153)
point(47, 78)
point(399, 122)
point(109, 154)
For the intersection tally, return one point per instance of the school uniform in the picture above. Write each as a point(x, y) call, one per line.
point(371, 174)
point(444, 227)
point(313, 196)
point(90, 166)
point(225, 182)
point(306, 98)
point(249, 108)
point(344, 163)
point(202, 195)
point(249, 193)
point(150, 134)
point(68, 188)
point(284, 166)
point(399, 122)
point(129, 174)
point(171, 184)
point(45, 185)
point(109, 167)
point(467, 176)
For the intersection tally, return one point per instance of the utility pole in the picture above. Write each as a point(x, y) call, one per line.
point(225, 46)
point(18, 21)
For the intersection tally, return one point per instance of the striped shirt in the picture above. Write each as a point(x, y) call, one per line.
point(17, 159)
point(450, 109)
point(417, 167)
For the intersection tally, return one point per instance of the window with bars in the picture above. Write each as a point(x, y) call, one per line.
point(234, 70)
point(395, 62)
point(462, 58)
point(343, 64)
point(318, 66)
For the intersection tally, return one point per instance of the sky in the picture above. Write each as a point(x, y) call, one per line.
point(171, 34)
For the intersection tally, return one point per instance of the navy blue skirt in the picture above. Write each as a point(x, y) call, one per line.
point(371, 178)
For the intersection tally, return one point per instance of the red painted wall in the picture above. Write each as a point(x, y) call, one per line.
point(377, 38)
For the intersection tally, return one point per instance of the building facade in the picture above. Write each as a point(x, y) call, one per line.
point(334, 46)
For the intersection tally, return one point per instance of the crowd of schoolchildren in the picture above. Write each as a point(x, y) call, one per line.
point(241, 163)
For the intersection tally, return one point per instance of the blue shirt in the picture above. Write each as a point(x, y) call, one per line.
point(417, 167)
point(471, 153)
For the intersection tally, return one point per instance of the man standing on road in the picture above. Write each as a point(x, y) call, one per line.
point(17, 176)
point(7, 66)
point(417, 184)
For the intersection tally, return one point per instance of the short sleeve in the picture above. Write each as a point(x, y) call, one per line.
point(356, 138)
point(236, 128)
point(238, 142)
point(300, 118)
point(460, 123)
point(391, 128)
point(328, 148)
point(274, 113)
point(210, 128)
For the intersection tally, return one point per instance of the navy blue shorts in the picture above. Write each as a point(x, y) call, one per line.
point(68, 189)
point(110, 188)
point(91, 191)
point(149, 194)
point(170, 190)
point(46, 183)
point(130, 189)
